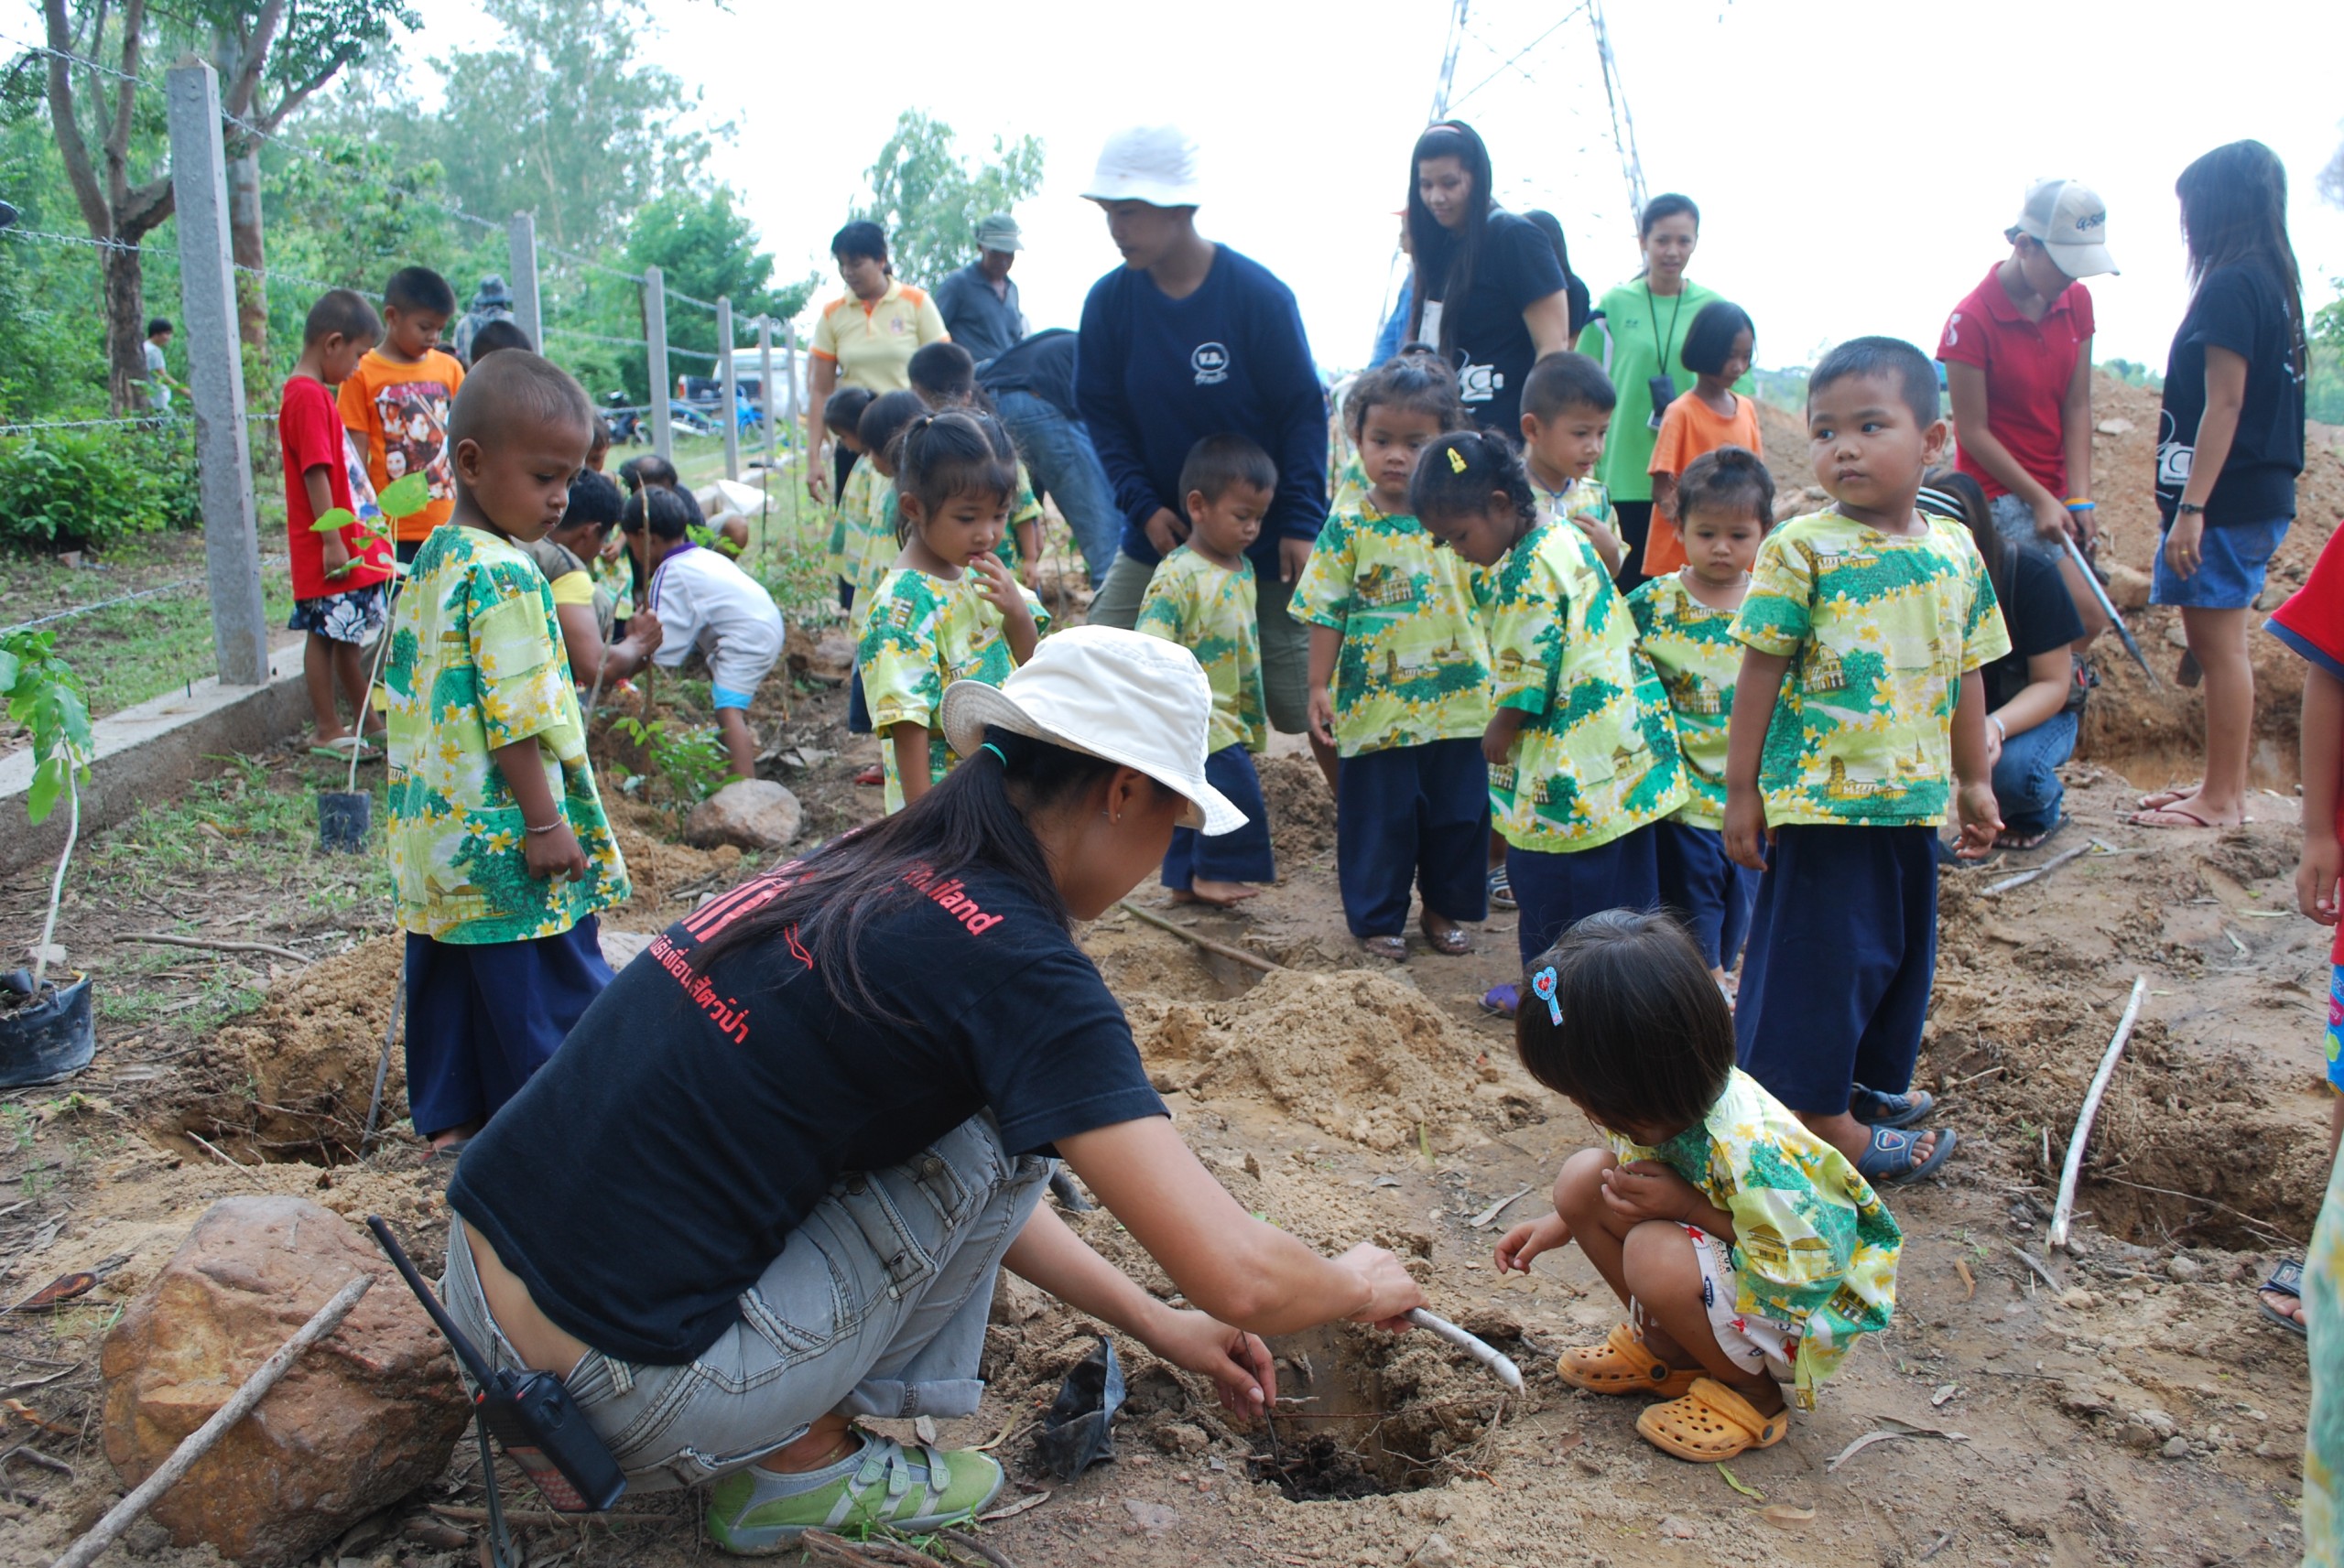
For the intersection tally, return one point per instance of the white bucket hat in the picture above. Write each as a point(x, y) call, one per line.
point(1155, 164)
point(1122, 695)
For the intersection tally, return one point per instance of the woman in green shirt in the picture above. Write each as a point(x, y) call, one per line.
point(1638, 333)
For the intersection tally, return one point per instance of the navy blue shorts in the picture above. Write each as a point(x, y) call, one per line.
point(1843, 944)
point(1413, 815)
point(1555, 890)
point(482, 1016)
point(1705, 891)
point(1239, 856)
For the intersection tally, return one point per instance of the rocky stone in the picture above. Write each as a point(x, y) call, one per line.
point(369, 1415)
point(1153, 1518)
point(2184, 1267)
point(1676, 1529)
point(2127, 589)
point(832, 659)
point(2115, 426)
point(1436, 1552)
point(754, 814)
point(2176, 1447)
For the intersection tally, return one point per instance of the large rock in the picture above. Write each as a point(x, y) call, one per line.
point(365, 1417)
point(755, 814)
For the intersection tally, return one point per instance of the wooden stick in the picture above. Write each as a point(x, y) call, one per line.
point(467, 1514)
point(2045, 869)
point(212, 1149)
point(1236, 955)
point(2057, 1236)
point(199, 1443)
point(168, 940)
point(1480, 1350)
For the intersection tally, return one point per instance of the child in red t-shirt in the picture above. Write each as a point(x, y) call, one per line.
point(2311, 622)
point(340, 598)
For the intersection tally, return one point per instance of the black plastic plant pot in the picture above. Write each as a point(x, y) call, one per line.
point(52, 1037)
point(343, 820)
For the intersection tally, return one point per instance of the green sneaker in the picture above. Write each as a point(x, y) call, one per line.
point(905, 1489)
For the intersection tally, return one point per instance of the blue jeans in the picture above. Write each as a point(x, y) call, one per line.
point(2027, 778)
point(875, 1307)
point(1060, 457)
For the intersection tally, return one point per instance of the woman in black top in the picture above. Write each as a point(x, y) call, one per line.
point(1488, 292)
point(767, 1183)
point(2230, 445)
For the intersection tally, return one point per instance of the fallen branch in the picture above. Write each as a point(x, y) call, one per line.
point(2031, 872)
point(963, 1540)
point(164, 938)
point(2058, 1235)
point(1479, 1349)
point(1894, 1428)
point(199, 1443)
point(212, 1149)
point(1237, 955)
point(821, 1546)
point(1498, 1208)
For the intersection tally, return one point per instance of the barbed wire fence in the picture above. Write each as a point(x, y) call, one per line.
point(549, 281)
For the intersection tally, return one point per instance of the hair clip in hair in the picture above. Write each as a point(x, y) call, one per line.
point(1542, 985)
point(1457, 465)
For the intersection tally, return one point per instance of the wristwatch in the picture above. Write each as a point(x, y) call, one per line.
point(2181, 506)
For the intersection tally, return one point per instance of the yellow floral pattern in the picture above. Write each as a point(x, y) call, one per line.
point(1414, 667)
point(476, 665)
point(2323, 1295)
point(1693, 650)
point(922, 635)
point(1208, 610)
point(1814, 1246)
point(1879, 629)
point(1596, 757)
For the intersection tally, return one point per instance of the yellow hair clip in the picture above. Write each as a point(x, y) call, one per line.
point(1456, 460)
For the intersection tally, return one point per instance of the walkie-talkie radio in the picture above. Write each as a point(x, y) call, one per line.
point(530, 1414)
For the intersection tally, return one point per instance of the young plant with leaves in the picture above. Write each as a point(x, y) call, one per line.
point(45, 697)
point(378, 527)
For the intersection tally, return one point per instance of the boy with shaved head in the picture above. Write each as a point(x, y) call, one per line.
point(498, 843)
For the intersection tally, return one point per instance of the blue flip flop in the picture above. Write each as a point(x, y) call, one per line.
point(1876, 1108)
point(1503, 1000)
point(2287, 1280)
point(1890, 1158)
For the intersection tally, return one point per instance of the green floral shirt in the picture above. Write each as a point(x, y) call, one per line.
point(1693, 650)
point(1596, 757)
point(1414, 667)
point(922, 635)
point(1814, 1246)
point(1024, 507)
point(850, 518)
point(476, 664)
point(1208, 610)
point(1879, 629)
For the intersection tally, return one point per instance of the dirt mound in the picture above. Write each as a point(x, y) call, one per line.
point(291, 1081)
point(1358, 1055)
point(1302, 814)
point(663, 873)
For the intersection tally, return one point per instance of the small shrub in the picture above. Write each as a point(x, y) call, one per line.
point(690, 763)
point(68, 489)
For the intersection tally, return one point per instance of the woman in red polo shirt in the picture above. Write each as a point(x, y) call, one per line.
point(2017, 356)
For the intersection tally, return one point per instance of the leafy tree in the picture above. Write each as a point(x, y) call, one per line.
point(930, 200)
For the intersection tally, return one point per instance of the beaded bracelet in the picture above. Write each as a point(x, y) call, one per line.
point(557, 822)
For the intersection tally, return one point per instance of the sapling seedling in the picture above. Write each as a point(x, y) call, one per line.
point(45, 697)
point(378, 525)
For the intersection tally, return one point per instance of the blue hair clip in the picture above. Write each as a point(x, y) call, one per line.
point(1543, 985)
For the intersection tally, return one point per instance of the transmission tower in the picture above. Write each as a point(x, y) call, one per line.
point(1448, 62)
point(1623, 125)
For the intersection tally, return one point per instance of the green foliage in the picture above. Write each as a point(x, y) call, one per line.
point(65, 489)
point(44, 695)
point(703, 248)
point(930, 200)
point(690, 763)
point(2132, 372)
point(1783, 388)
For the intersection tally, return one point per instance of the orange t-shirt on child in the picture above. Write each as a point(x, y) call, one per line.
point(1689, 429)
point(399, 413)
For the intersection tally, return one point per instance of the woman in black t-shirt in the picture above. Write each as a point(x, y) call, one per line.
point(2029, 729)
point(2230, 445)
point(767, 1183)
point(1488, 292)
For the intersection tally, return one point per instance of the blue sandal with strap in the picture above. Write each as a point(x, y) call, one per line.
point(1890, 1158)
point(2287, 1280)
point(1876, 1108)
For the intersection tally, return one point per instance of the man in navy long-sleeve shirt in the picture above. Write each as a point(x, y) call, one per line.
point(1187, 339)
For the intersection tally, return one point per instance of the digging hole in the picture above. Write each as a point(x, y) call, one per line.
point(1379, 1414)
point(2189, 1156)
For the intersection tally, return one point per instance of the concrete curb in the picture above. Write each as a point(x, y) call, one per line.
point(147, 754)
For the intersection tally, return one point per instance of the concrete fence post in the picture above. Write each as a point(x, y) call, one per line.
point(655, 332)
point(730, 382)
point(765, 397)
point(216, 375)
point(521, 253)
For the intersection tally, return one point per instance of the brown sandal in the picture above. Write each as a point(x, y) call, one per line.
point(1710, 1423)
point(1393, 949)
point(1624, 1364)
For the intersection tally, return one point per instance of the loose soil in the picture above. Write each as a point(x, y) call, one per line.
point(2141, 1410)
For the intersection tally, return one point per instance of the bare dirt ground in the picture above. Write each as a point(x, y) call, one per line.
point(2139, 1411)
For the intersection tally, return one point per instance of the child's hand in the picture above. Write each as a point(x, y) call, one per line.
point(1981, 819)
point(643, 628)
point(2315, 879)
point(555, 854)
point(1029, 572)
point(1000, 589)
point(1322, 718)
point(1526, 1241)
point(1608, 545)
point(1645, 1189)
point(337, 555)
point(1746, 833)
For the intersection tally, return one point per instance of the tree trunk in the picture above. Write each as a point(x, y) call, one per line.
point(245, 243)
point(125, 272)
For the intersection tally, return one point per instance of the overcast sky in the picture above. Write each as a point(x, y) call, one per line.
point(1855, 165)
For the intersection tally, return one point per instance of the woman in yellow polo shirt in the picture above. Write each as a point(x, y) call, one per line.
point(865, 338)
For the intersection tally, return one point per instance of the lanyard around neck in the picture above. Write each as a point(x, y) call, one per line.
point(1653, 310)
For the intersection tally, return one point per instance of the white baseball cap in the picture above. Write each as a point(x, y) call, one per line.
point(1122, 695)
point(2070, 221)
point(1155, 164)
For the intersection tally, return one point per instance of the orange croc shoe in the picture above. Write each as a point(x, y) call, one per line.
point(1710, 1422)
point(1624, 1364)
